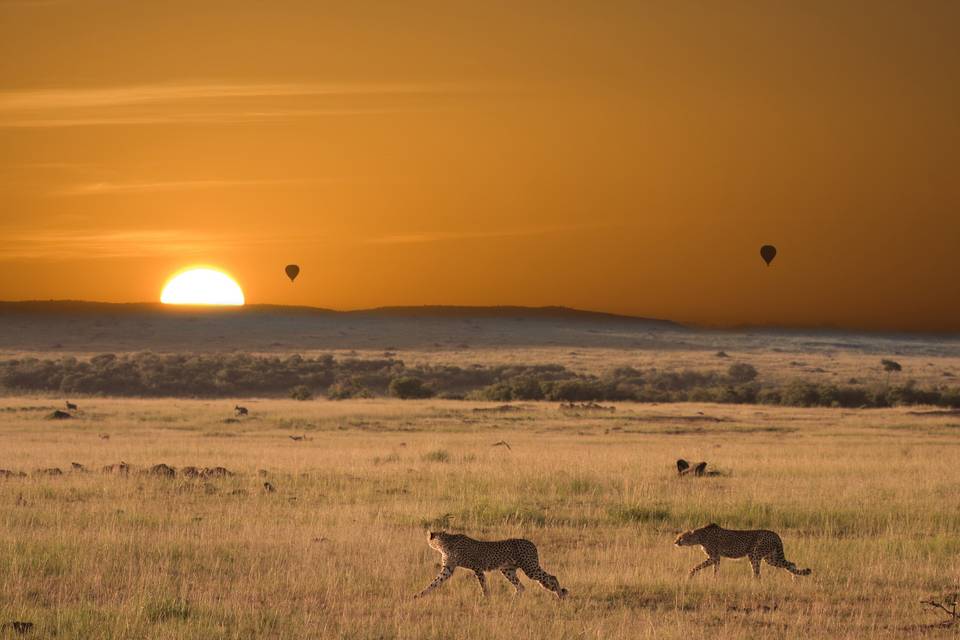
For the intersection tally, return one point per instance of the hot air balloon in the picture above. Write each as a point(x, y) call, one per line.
point(768, 252)
point(292, 271)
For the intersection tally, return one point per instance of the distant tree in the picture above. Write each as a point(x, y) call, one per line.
point(741, 372)
point(890, 366)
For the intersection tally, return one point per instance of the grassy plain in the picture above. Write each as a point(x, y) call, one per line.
point(868, 499)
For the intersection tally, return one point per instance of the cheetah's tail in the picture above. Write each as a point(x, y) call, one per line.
point(798, 572)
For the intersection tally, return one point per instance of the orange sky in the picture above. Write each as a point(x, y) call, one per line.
point(619, 156)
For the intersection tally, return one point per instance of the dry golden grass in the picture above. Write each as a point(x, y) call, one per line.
point(867, 499)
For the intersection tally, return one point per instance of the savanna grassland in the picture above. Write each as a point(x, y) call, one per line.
point(867, 498)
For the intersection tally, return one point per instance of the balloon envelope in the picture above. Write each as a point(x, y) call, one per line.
point(292, 271)
point(768, 252)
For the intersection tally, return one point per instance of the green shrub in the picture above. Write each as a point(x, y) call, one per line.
point(408, 388)
point(301, 392)
point(583, 390)
point(346, 389)
point(800, 393)
point(741, 372)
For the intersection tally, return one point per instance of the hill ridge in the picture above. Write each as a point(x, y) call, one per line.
point(438, 311)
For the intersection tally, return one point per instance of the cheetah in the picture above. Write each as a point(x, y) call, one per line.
point(757, 545)
point(458, 550)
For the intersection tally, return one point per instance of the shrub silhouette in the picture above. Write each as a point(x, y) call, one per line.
point(741, 372)
point(409, 388)
point(346, 389)
point(301, 392)
point(239, 374)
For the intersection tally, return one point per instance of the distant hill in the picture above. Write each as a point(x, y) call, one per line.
point(550, 313)
point(88, 327)
point(79, 307)
point(73, 326)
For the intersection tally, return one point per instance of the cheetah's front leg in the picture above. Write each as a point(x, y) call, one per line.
point(706, 563)
point(445, 573)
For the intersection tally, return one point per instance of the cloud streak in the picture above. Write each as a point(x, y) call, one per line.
point(221, 118)
point(79, 98)
point(448, 236)
point(92, 245)
point(212, 103)
point(121, 188)
point(64, 245)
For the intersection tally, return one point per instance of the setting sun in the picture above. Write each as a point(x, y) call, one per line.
point(202, 286)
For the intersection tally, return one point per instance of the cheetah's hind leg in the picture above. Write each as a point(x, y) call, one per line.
point(483, 582)
point(511, 575)
point(547, 581)
point(780, 561)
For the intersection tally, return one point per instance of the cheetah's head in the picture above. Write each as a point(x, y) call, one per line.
point(693, 538)
point(437, 539)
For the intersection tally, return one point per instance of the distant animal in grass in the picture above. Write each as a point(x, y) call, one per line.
point(52, 471)
point(502, 443)
point(699, 469)
point(59, 415)
point(121, 468)
point(758, 545)
point(190, 472)
point(215, 472)
point(6, 473)
point(104, 436)
point(162, 470)
point(71, 406)
point(297, 438)
point(590, 406)
point(269, 488)
point(17, 626)
point(76, 466)
point(241, 411)
point(479, 556)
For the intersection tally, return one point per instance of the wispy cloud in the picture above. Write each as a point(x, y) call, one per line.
point(221, 118)
point(444, 236)
point(120, 188)
point(92, 245)
point(127, 244)
point(29, 3)
point(25, 100)
point(211, 103)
